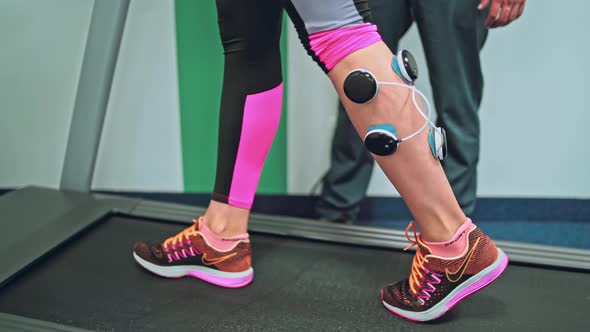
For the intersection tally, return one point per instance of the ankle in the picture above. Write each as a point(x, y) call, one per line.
point(441, 227)
point(439, 233)
point(453, 245)
point(225, 228)
point(221, 242)
point(225, 220)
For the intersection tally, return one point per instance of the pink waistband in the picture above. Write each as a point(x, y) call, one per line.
point(333, 45)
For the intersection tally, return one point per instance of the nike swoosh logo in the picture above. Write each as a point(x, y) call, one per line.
point(157, 252)
point(455, 276)
point(217, 260)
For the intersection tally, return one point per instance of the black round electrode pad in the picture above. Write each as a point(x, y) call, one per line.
point(360, 86)
point(410, 64)
point(444, 143)
point(381, 144)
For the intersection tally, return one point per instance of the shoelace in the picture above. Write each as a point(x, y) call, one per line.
point(418, 274)
point(181, 237)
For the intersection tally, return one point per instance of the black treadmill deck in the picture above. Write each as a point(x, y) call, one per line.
point(94, 283)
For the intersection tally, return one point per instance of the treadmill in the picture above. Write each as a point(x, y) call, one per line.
point(67, 265)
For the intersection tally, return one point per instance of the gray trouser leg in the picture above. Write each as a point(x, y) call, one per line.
point(453, 33)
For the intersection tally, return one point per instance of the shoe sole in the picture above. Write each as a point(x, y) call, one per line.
point(212, 276)
point(468, 287)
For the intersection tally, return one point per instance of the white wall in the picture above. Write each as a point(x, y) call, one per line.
point(41, 50)
point(534, 115)
point(534, 119)
point(140, 149)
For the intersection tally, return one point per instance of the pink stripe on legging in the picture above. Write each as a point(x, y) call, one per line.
point(262, 113)
point(333, 45)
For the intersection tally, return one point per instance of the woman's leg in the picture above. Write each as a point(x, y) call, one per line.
point(454, 258)
point(217, 247)
point(250, 107)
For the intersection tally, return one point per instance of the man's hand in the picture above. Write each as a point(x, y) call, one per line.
point(502, 12)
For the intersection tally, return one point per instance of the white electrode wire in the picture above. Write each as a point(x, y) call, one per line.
point(427, 118)
point(428, 106)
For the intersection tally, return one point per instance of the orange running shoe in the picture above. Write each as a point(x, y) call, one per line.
point(190, 253)
point(437, 284)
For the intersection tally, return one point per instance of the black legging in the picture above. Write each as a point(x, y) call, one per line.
point(251, 99)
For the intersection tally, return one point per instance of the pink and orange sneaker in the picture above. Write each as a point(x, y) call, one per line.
point(195, 252)
point(436, 284)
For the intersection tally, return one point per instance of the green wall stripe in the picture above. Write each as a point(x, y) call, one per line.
point(198, 51)
point(200, 73)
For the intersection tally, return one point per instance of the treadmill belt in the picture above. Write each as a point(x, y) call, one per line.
point(93, 282)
